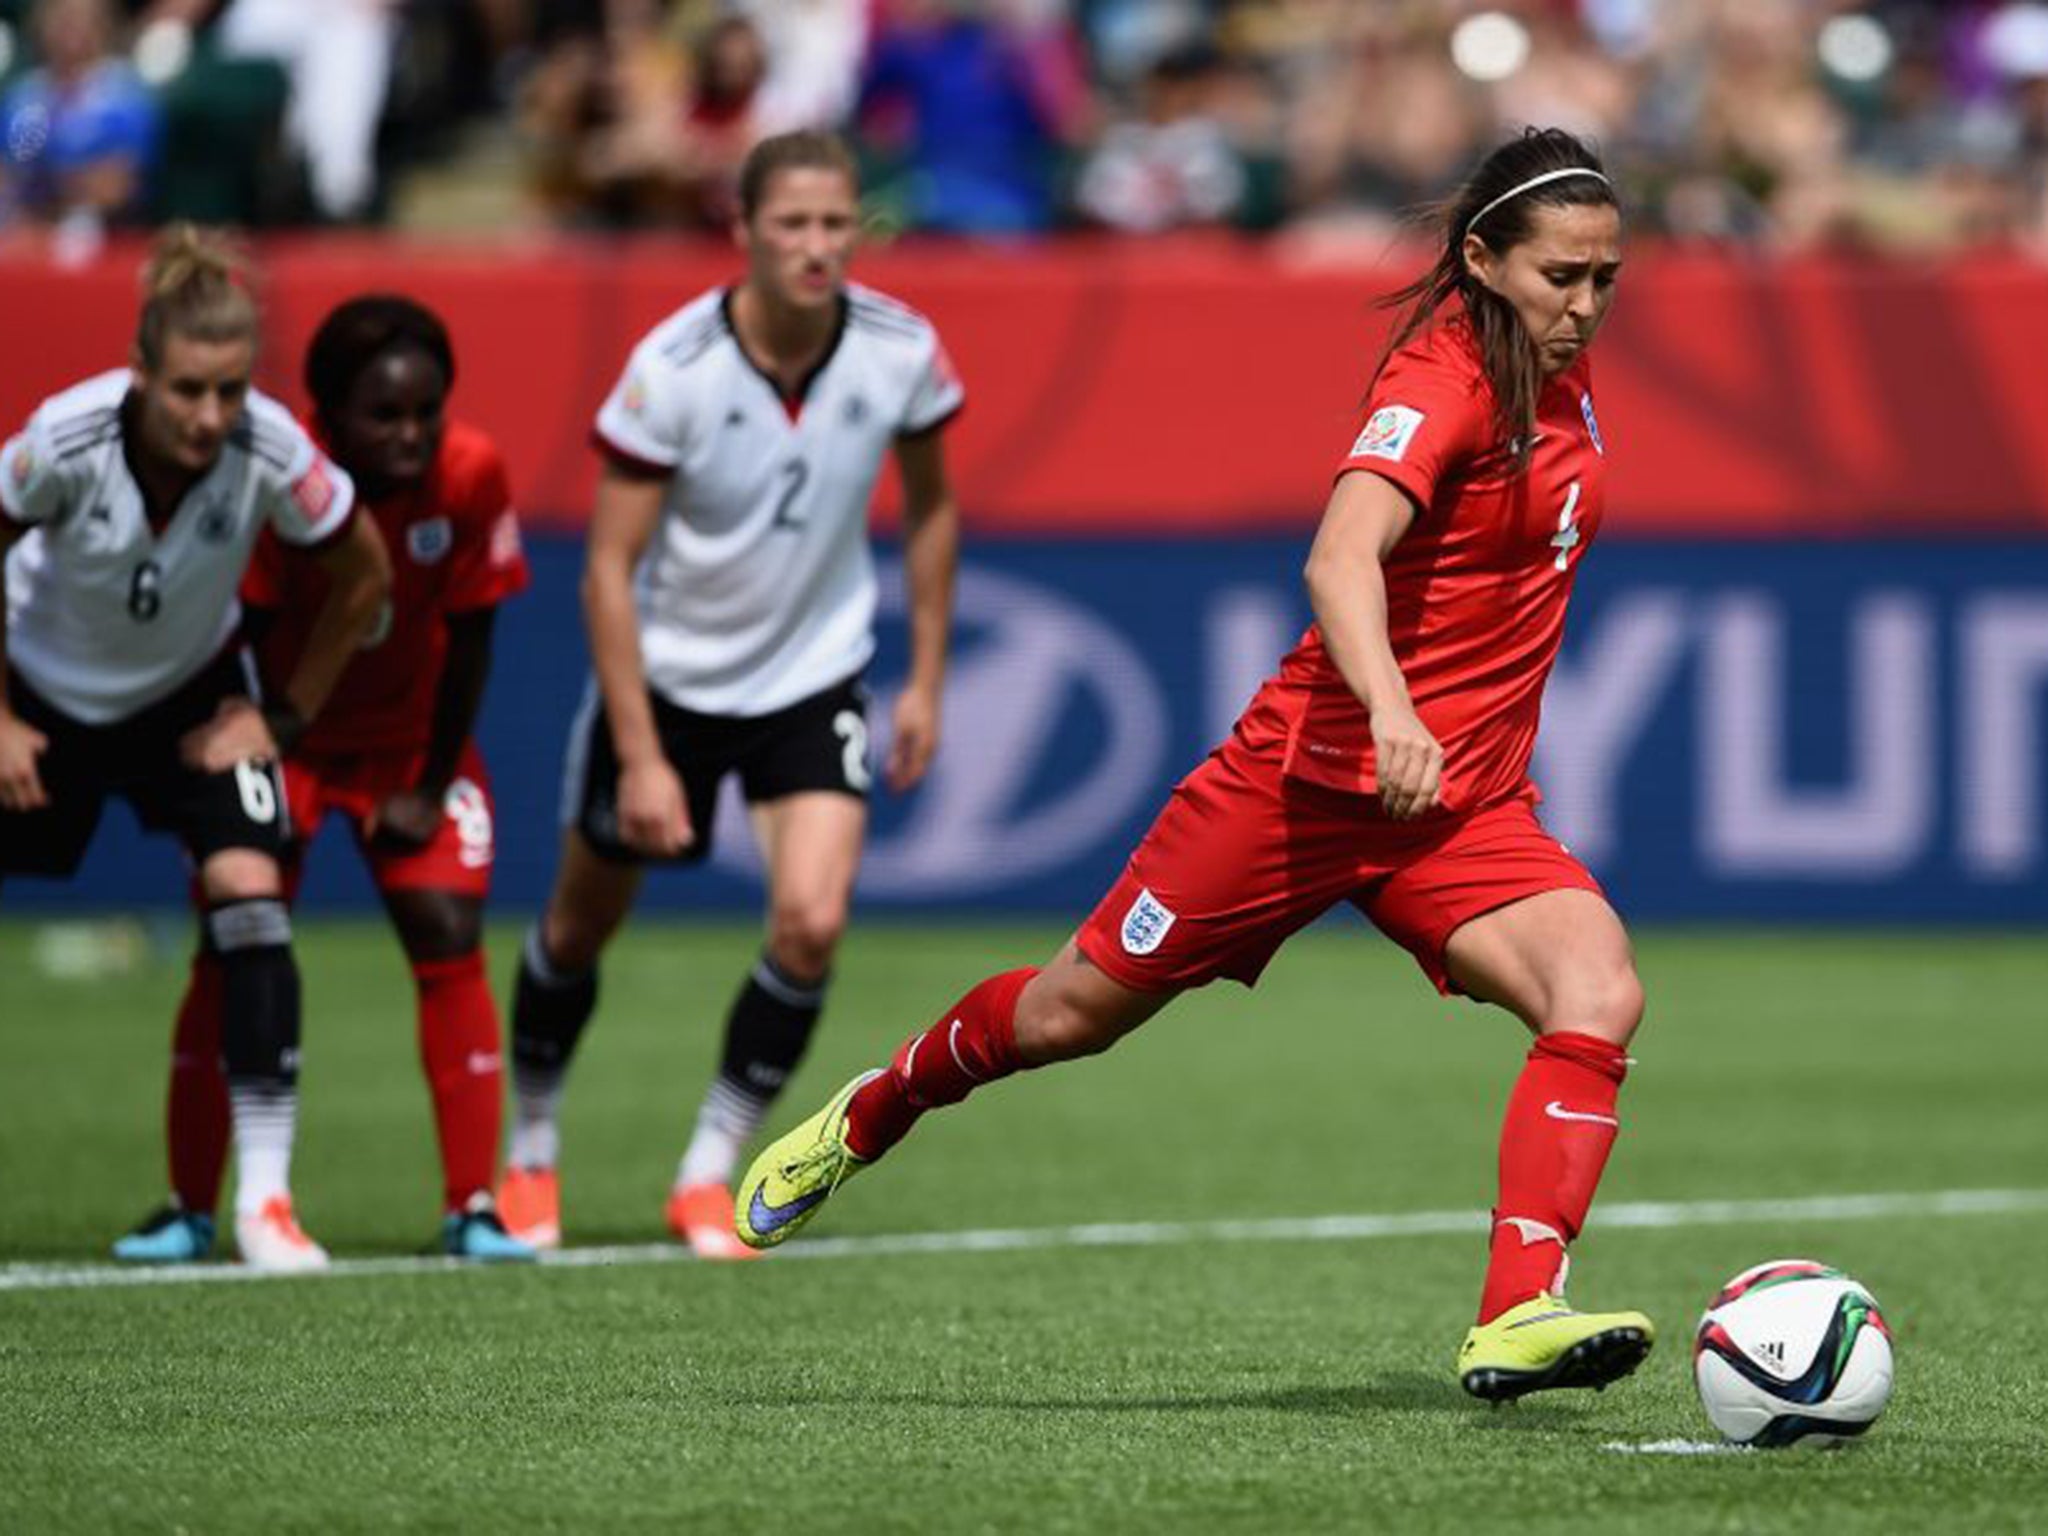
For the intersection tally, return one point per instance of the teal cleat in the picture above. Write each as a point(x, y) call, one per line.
point(476, 1233)
point(172, 1235)
point(794, 1176)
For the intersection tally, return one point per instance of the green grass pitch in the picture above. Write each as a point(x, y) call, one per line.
point(1185, 1386)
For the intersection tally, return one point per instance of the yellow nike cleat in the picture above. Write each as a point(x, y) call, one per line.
point(1543, 1343)
point(796, 1174)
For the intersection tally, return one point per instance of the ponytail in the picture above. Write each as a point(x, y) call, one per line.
point(195, 286)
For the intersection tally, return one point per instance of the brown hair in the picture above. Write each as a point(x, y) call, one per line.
point(197, 286)
point(1512, 364)
point(804, 150)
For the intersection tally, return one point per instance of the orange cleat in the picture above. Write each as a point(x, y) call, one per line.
point(530, 1206)
point(273, 1241)
point(701, 1215)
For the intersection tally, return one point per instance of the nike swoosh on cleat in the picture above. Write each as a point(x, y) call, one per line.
point(1540, 1317)
point(1556, 1110)
point(765, 1218)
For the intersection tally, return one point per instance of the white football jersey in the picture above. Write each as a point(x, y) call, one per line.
point(758, 586)
point(106, 615)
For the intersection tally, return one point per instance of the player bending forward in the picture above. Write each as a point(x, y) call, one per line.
point(391, 753)
point(1385, 764)
point(128, 509)
point(730, 599)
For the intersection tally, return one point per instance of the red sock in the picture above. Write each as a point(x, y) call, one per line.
point(196, 1104)
point(459, 1047)
point(974, 1042)
point(1559, 1129)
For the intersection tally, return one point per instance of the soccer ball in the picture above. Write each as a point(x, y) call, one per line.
point(1792, 1353)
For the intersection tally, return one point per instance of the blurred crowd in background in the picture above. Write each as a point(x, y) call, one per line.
point(1890, 125)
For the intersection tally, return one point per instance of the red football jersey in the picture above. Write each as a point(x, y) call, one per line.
point(1477, 587)
point(454, 547)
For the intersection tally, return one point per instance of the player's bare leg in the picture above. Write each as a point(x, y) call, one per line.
point(811, 844)
point(553, 998)
point(1561, 963)
point(1012, 1022)
point(249, 926)
point(1069, 1009)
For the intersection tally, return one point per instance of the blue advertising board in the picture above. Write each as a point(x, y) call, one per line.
point(1761, 730)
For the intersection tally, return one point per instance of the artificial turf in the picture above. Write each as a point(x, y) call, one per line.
point(1188, 1383)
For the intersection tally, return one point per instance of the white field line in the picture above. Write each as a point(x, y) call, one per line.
point(1138, 1234)
point(1679, 1448)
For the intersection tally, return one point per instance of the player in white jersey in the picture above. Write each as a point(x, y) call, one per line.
point(730, 599)
point(128, 509)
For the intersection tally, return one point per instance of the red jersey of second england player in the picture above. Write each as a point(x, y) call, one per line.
point(454, 547)
point(1477, 587)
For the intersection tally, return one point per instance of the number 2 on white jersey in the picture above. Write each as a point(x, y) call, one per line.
point(797, 473)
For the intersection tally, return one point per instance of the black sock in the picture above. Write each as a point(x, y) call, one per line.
point(259, 1031)
point(259, 1042)
point(767, 1029)
point(549, 1009)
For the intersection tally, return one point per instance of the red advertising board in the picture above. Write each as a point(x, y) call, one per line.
point(1196, 386)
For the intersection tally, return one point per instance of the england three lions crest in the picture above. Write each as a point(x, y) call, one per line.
point(429, 541)
point(1146, 924)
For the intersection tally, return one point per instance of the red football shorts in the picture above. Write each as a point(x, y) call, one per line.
point(457, 858)
point(1242, 857)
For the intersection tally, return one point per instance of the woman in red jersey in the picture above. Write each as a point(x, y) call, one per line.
point(1385, 764)
point(392, 753)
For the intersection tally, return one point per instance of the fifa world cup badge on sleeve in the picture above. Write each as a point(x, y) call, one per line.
point(314, 491)
point(1146, 924)
point(1387, 434)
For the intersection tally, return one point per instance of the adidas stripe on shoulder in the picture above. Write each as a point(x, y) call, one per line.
point(691, 341)
point(83, 443)
point(886, 317)
point(267, 434)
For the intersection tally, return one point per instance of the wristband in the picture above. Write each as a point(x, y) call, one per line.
point(286, 724)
